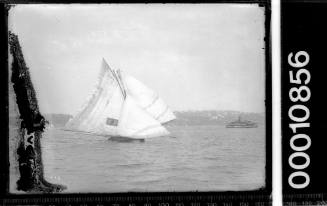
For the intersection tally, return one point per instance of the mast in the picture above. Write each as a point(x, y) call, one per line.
point(116, 77)
point(119, 77)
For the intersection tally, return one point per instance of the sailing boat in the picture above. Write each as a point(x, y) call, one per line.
point(123, 108)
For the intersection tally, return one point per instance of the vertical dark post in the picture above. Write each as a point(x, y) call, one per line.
point(31, 128)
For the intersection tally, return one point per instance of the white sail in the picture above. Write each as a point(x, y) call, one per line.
point(136, 123)
point(105, 104)
point(122, 106)
point(148, 99)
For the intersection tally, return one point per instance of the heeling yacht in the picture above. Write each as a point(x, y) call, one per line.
point(122, 108)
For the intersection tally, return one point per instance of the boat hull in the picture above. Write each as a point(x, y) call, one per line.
point(241, 126)
point(124, 139)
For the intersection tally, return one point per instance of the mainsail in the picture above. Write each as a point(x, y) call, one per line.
point(105, 103)
point(122, 106)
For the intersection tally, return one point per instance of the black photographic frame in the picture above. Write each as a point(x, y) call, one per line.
point(261, 197)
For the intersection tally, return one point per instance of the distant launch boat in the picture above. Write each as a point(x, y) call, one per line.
point(122, 108)
point(241, 124)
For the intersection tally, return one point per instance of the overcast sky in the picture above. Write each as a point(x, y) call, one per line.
point(195, 56)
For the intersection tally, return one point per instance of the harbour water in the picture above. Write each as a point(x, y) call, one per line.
point(195, 158)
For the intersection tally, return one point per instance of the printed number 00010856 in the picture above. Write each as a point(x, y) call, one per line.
point(298, 115)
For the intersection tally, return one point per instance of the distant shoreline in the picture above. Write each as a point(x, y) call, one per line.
point(208, 117)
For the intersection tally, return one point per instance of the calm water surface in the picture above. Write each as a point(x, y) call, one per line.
point(203, 158)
